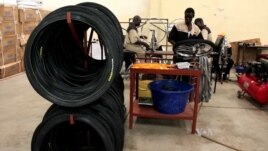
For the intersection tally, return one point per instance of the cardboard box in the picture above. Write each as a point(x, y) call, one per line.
point(42, 14)
point(8, 57)
point(22, 65)
point(23, 39)
point(10, 69)
point(8, 43)
point(9, 28)
point(8, 13)
point(20, 56)
point(20, 53)
point(28, 27)
point(28, 15)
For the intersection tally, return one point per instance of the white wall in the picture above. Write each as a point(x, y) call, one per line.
point(123, 9)
point(239, 19)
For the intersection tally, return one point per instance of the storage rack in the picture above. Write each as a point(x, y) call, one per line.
point(137, 110)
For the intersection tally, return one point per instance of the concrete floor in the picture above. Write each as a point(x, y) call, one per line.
point(225, 121)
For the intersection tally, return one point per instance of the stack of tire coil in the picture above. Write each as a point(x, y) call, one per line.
point(88, 109)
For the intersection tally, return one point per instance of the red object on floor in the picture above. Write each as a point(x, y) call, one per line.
point(249, 85)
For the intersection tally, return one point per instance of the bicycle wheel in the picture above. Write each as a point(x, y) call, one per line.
point(193, 48)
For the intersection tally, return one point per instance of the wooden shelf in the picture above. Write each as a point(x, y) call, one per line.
point(150, 112)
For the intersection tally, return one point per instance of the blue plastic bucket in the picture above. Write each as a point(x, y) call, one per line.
point(240, 69)
point(170, 96)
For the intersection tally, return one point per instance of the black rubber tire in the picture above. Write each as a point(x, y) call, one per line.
point(43, 131)
point(49, 64)
point(107, 124)
point(109, 14)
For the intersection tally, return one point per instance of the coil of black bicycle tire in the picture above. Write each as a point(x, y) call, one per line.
point(65, 128)
point(54, 62)
point(48, 136)
point(108, 13)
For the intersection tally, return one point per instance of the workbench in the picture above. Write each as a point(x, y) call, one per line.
point(247, 53)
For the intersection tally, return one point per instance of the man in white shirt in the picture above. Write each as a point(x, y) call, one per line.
point(184, 30)
point(133, 41)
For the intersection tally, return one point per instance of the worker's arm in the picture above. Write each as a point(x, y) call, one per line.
point(135, 39)
point(204, 34)
point(139, 42)
point(172, 35)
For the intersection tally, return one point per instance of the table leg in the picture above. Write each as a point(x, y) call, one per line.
point(132, 85)
point(196, 101)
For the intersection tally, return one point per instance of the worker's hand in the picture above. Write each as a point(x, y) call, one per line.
point(143, 37)
point(147, 46)
point(172, 42)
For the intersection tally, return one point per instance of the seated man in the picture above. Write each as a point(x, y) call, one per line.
point(133, 41)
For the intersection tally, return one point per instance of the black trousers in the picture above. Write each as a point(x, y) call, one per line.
point(129, 58)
